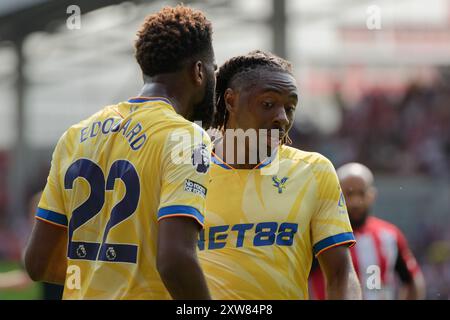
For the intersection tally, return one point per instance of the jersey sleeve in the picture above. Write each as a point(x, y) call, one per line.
point(185, 177)
point(330, 224)
point(51, 205)
point(406, 265)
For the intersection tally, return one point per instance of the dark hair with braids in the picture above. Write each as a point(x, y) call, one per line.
point(167, 39)
point(237, 68)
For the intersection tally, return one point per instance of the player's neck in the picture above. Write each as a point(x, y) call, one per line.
point(233, 155)
point(166, 86)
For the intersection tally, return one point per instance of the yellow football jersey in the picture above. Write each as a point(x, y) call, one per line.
point(263, 225)
point(113, 176)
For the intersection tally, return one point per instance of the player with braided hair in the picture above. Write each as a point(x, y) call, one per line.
point(120, 215)
point(237, 67)
point(264, 222)
point(244, 71)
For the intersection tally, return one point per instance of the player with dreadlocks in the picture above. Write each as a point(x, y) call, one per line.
point(264, 222)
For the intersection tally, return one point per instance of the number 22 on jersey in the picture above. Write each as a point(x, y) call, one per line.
point(93, 174)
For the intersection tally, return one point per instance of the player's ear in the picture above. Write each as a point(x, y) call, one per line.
point(230, 100)
point(198, 73)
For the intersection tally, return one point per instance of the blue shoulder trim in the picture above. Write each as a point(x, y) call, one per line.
point(52, 216)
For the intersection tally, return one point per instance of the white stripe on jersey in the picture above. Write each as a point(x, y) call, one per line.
point(366, 255)
point(390, 251)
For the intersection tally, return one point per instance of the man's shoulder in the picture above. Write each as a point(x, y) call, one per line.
point(164, 124)
point(102, 114)
point(182, 131)
point(382, 225)
point(73, 134)
point(315, 159)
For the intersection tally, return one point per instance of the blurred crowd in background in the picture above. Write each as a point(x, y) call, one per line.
point(400, 133)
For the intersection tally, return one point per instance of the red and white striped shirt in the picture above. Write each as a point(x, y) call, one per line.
point(381, 252)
